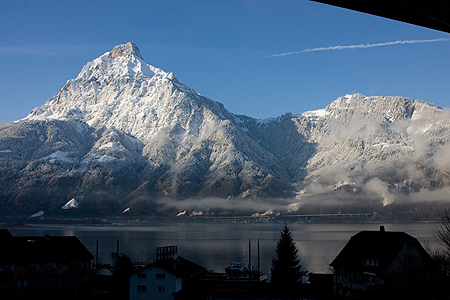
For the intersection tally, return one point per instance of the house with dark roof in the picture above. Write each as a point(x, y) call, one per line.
point(374, 263)
point(43, 267)
point(169, 274)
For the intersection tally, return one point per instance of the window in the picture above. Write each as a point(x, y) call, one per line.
point(15, 267)
point(1, 268)
point(160, 276)
point(161, 289)
point(22, 283)
point(142, 288)
point(39, 266)
point(57, 265)
point(142, 275)
point(370, 262)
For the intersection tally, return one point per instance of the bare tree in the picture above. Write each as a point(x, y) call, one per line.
point(442, 233)
point(441, 256)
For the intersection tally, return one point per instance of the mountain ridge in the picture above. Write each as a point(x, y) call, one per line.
point(126, 134)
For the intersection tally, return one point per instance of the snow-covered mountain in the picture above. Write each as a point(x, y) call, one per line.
point(126, 134)
point(383, 148)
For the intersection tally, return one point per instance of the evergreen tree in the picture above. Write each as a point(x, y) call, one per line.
point(286, 268)
point(123, 267)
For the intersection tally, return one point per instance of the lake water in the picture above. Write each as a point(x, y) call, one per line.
point(214, 246)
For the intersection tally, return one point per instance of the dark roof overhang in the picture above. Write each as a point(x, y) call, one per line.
point(433, 14)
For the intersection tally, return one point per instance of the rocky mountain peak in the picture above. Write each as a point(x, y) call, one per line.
point(120, 90)
point(125, 50)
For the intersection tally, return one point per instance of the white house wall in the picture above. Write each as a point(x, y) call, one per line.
point(156, 288)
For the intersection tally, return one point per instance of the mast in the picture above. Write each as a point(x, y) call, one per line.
point(96, 257)
point(249, 256)
point(259, 270)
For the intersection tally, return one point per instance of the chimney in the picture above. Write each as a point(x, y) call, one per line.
point(382, 228)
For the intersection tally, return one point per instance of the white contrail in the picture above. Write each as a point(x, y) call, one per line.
point(362, 46)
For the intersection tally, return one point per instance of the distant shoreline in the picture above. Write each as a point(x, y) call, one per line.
point(11, 222)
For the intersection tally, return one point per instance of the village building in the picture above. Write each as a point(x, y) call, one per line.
point(169, 274)
point(43, 267)
point(376, 263)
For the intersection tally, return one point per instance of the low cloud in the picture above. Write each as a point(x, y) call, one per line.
point(380, 188)
point(234, 204)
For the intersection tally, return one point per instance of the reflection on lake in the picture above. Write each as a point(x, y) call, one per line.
point(214, 246)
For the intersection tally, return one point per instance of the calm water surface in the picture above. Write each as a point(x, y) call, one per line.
point(214, 246)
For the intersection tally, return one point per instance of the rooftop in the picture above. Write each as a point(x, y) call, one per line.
point(31, 249)
point(383, 246)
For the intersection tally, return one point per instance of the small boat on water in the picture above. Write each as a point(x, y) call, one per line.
point(237, 271)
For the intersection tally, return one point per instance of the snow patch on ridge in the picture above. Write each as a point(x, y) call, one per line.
point(72, 203)
point(322, 113)
point(58, 155)
point(110, 146)
point(265, 121)
point(386, 145)
point(104, 159)
point(82, 129)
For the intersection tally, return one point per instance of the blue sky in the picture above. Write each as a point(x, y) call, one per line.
point(259, 58)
